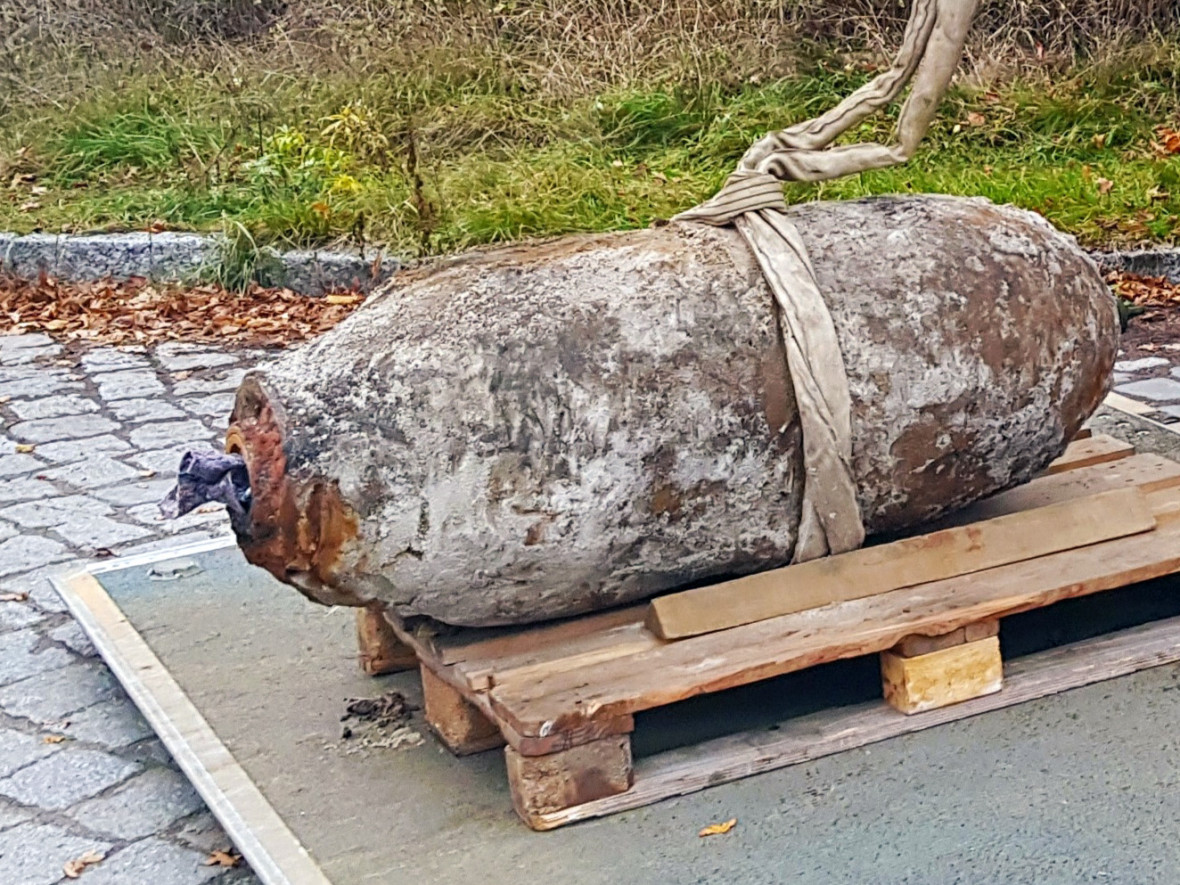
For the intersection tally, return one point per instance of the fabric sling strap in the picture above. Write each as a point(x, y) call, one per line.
point(752, 201)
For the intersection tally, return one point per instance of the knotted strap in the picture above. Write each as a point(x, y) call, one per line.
point(752, 200)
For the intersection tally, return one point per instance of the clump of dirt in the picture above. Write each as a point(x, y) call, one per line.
point(382, 722)
point(387, 711)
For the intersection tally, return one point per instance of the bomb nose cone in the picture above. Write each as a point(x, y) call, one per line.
point(297, 528)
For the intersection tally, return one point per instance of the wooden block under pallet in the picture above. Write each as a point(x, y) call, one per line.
point(541, 785)
point(944, 677)
point(460, 725)
point(379, 651)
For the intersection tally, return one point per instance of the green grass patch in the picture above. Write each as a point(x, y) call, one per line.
point(468, 151)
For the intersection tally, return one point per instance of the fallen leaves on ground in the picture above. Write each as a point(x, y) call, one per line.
point(1144, 291)
point(719, 829)
point(25, 448)
point(138, 311)
point(223, 859)
point(53, 739)
point(14, 597)
point(73, 868)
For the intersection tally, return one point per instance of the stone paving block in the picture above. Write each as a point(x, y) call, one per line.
point(18, 615)
point(72, 636)
point(96, 532)
point(53, 406)
point(212, 382)
point(20, 382)
point(135, 411)
point(1140, 365)
point(146, 804)
point(151, 862)
point(65, 778)
point(149, 514)
point(114, 359)
point(10, 816)
point(164, 462)
point(7, 530)
point(53, 512)
point(18, 749)
point(27, 341)
point(203, 833)
point(93, 473)
point(113, 724)
point(20, 657)
point(178, 356)
point(77, 450)
point(26, 357)
point(1155, 390)
point(41, 850)
point(216, 405)
point(45, 430)
point(146, 491)
point(215, 530)
point(51, 696)
point(27, 552)
point(177, 435)
point(26, 488)
point(36, 584)
point(15, 465)
point(129, 384)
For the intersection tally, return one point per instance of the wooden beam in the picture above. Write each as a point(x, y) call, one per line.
point(1092, 450)
point(872, 571)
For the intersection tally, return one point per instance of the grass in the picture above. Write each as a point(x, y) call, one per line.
point(483, 132)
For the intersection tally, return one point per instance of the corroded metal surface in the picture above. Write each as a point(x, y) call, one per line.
point(558, 427)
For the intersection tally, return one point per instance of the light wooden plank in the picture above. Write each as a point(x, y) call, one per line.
point(274, 853)
point(887, 567)
point(792, 642)
point(1092, 450)
point(680, 772)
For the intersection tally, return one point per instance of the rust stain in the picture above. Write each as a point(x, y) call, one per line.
point(298, 530)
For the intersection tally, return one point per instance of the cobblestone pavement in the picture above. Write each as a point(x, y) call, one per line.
point(1153, 382)
point(90, 443)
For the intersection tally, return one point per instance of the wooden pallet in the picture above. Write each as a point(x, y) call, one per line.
point(563, 696)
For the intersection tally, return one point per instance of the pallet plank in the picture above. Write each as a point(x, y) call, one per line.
point(884, 568)
point(792, 642)
point(1085, 452)
point(727, 759)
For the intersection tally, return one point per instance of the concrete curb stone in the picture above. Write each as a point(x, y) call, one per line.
point(179, 257)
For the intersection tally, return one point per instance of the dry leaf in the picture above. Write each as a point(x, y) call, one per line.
point(1104, 185)
point(14, 597)
point(73, 869)
point(53, 739)
point(223, 859)
point(1169, 140)
point(718, 829)
point(344, 299)
point(974, 118)
point(25, 448)
point(30, 206)
point(147, 474)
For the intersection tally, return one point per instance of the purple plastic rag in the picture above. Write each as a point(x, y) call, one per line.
point(210, 476)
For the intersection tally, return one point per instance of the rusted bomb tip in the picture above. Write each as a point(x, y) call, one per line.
point(296, 529)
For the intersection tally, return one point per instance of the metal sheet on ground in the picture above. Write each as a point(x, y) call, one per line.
point(1062, 789)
